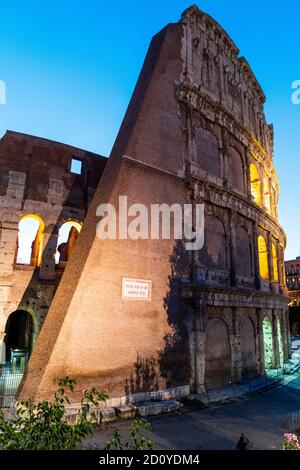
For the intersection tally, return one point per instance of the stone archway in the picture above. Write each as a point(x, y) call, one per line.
point(217, 355)
point(19, 333)
point(248, 348)
point(268, 343)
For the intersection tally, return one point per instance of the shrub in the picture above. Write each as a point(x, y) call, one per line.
point(43, 425)
point(137, 440)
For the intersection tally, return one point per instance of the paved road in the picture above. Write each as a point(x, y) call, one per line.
point(262, 417)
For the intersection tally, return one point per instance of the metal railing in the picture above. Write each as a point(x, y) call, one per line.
point(9, 384)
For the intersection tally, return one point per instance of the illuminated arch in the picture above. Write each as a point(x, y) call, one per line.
point(263, 258)
point(30, 240)
point(275, 263)
point(67, 237)
point(255, 184)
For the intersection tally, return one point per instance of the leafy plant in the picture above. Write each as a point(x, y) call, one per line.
point(138, 441)
point(43, 425)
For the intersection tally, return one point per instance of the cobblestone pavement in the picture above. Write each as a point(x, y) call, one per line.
point(263, 418)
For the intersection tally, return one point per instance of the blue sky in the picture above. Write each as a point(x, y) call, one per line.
point(70, 67)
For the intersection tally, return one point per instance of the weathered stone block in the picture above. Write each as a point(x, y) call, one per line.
point(126, 411)
point(107, 415)
point(160, 407)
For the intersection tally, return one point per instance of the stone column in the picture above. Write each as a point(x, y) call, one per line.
point(8, 246)
point(270, 257)
point(285, 339)
point(236, 354)
point(199, 349)
point(260, 342)
point(2, 348)
point(280, 278)
point(225, 157)
point(242, 100)
point(232, 249)
point(287, 329)
point(247, 176)
point(275, 340)
point(255, 256)
point(47, 269)
point(270, 197)
point(281, 268)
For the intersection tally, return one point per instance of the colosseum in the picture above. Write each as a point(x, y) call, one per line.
point(135, 316)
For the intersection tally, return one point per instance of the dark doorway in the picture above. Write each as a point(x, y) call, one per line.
point(19, 332)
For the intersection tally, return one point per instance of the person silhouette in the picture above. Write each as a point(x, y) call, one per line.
point(242, 443)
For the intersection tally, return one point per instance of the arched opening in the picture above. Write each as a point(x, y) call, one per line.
point(208, 152)
point(243, 248)
point(255, 184)
point(67, 236)
point(30, 240)
point(248, 348)
point(263, 258)
point(280, 347)
point(268, 343)
point(217, 355)
point(214, 253)
point(236, 169)
point(275, 263)
point(19, 331)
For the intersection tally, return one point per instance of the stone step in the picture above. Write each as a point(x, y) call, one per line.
point(107, 415)
point(126, 411)
point(159, 407)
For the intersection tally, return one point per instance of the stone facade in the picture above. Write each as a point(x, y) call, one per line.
point(36, 180)
point(292, 271)
point(194, 132)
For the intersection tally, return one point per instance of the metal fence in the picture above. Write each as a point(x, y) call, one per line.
point(9, 384)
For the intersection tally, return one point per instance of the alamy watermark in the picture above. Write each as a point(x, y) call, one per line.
point(2, 92)
point(296, 93)
point(156, 221)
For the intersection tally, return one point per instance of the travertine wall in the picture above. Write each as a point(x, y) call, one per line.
point(35, 178)
point(193, 127)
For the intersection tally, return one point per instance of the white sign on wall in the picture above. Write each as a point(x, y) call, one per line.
point(136, 289)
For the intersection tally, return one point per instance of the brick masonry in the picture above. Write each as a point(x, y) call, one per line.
point(194, 126)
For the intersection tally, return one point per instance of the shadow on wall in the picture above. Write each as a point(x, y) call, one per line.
point(144, 376)
point(171, 367)
point(175, 359)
